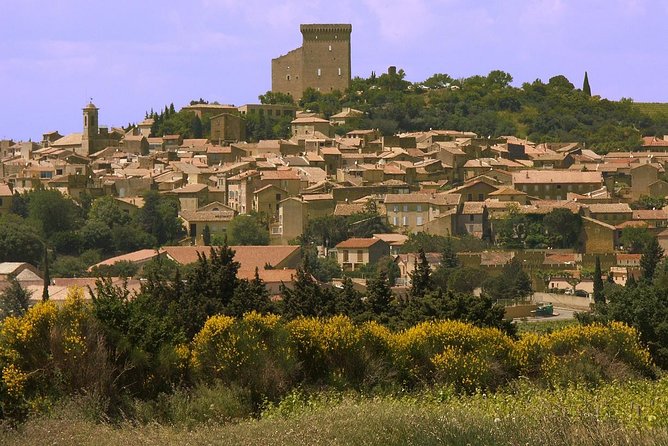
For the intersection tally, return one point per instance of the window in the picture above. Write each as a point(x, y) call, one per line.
point(278, 197)
point(330, 47)
point(346, 256)
point(395, 221)
point(471, 217)
point(405, 222)
point(481, 197)
point(419, 221)
point(360, 255)
point(319, 72)
point(287, 77)
point(470, 197)
point(339, 71)
point(419, 208)
point(405, 208)
point(396, 208)
point(558, 186)
point(1, 202)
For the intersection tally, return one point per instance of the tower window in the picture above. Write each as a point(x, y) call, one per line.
point(288, 77)
point(319, 72)
point(330, 47)
point(85, 120)
point(339, 71)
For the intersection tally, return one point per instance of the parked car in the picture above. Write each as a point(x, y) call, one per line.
point(581, 293)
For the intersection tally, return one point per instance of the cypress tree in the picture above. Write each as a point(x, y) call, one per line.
point(651, 256)
point(421, 281)
point(206, 235)
point(586, 89)
point(599, 297)
point(47, 276)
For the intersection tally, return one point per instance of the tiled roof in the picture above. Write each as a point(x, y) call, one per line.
point(613, 208)
point(556, 176)
point(346, 209)
point(358, 243)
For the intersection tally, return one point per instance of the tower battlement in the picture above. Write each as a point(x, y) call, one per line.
point(321, 63)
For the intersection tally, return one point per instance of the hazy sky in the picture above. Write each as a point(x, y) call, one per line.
point(134, 55)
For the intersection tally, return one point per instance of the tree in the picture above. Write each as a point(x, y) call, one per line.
point(651, 256)
point(349, 300)
point(449, 257)
point(19, 242)
point(159, 217)
point(586, 89)
point(247, 229)
point(250, 295)
point(421, 281)
point(52, 212)
point(206, 235)
point(563, 228)
point(306, 297)
point(379, 298)
point(634, 239)
point(599, 297)
point(14, 300)
point(47, 277)
point(106, 210)
point(272, 97)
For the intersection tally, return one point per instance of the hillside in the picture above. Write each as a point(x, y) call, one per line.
point(653, 109)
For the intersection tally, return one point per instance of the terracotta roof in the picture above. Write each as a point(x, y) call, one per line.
point(5, 191)
point(192, 216)
point(142, 255)
point(280, 175)
point(473, 207)
point(392, 239)
point(506, 191)
point(269, 275)
point(358, 243)
point(249, 257)
point(556, 176)
point(614, 208)
point(189, 189)
point(346, 209)
point(650, 214)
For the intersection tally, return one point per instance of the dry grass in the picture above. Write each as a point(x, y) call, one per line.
point(415, 420)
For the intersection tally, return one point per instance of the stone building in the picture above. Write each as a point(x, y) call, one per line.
point(322, 62)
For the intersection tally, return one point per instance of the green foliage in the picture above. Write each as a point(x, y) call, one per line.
point(159, 217)
point(651, 256)
point(512, 284)
point(52, 212)
point(599, 296)
point(421, 281)
point(586, 89)
point(558, 229)
point(247, 229)
point(634, 240)
point(19, 242)
point(271, 97)
point(648, 202)
point(14, 300)
point(306, 297)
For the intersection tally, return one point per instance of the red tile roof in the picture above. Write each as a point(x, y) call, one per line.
point(359, 243)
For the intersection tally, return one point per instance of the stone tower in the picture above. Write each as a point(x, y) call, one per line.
point(90, 129)
point(322, 62)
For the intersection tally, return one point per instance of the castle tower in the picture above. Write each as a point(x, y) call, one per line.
point(322, 62)
point(90, 129)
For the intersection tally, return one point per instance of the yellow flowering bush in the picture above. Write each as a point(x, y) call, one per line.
point(465, 370)
point(416, 347)
point(14, 380)
point(253, 351)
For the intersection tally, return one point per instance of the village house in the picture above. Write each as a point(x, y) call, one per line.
point(355, 252)
point(555, 184)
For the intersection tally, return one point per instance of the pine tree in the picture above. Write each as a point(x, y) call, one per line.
point(651, 256)
point(379, 298)
point(307, 297)
point(586, 89)
point(349, 300)
point(448, 255)
point(599, 297)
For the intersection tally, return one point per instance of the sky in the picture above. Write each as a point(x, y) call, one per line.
point(131, 56)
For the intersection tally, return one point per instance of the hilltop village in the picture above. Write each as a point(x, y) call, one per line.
point(554, 207)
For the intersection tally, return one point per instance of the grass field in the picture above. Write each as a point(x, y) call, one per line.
point(633, 413)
